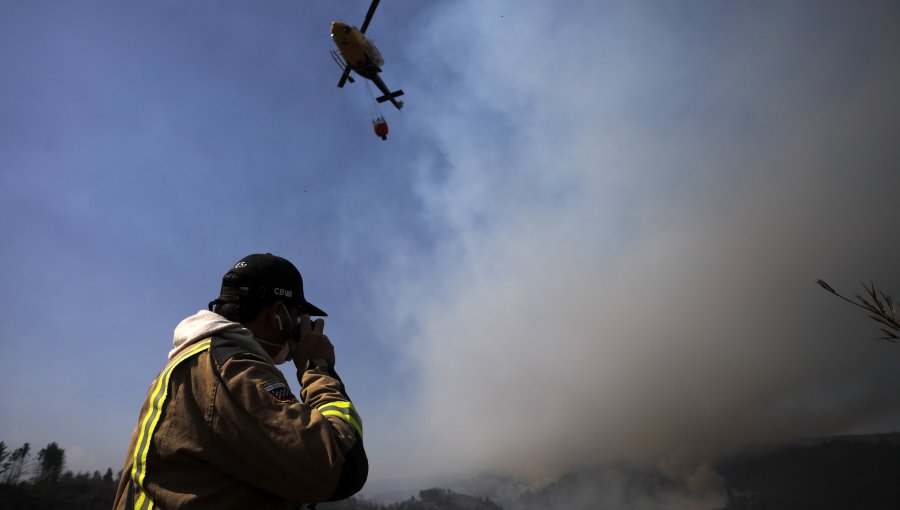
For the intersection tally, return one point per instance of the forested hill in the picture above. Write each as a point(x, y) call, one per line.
point(835, 473)
point(830, 473)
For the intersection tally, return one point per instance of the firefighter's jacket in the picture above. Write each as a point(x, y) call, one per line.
point(221, 429)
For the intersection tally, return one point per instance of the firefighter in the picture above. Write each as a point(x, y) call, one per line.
point(220, 427)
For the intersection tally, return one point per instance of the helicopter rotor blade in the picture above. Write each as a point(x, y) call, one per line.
point(369, 14)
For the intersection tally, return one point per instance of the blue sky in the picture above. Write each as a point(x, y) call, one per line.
point(593, 233)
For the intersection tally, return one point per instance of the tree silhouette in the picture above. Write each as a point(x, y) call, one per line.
point(50, 464)
point(51, 488)
point(15, 466)
point(3, 455)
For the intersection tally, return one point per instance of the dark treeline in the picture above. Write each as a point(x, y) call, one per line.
point(826, 473)
point(40, 482)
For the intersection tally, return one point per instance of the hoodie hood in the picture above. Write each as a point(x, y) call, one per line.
point(205, 324)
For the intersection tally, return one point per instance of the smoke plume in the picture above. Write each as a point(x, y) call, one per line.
point(630, 212)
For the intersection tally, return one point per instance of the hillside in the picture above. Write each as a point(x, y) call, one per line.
point(844, 472)
point(832, 473)
point(836, 473)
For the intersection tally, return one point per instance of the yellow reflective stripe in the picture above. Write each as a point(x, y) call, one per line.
point(344, 410)
point(348, 418)
point(148, 424)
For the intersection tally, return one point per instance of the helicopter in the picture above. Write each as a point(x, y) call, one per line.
point(359, 54)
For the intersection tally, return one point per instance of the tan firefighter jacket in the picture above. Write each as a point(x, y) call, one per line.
point(221, 429)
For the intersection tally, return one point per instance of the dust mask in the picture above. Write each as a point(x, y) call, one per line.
point(282, 355)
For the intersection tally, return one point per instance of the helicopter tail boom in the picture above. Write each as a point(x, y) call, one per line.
point(388, 94)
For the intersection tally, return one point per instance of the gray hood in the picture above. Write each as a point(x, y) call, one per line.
point(205, 324)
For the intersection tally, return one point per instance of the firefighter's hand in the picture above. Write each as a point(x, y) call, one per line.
point(310, 343)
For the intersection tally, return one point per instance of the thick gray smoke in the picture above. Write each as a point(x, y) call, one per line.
point(634, 205)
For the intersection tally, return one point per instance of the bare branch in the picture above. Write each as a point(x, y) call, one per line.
point(880, 306)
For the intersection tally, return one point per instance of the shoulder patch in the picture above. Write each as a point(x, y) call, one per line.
point(279, 390)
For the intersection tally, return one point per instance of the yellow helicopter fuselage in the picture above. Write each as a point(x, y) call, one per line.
point(358, 51)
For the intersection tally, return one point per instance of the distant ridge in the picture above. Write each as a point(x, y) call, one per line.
point(841, 472)
point(822, 473)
